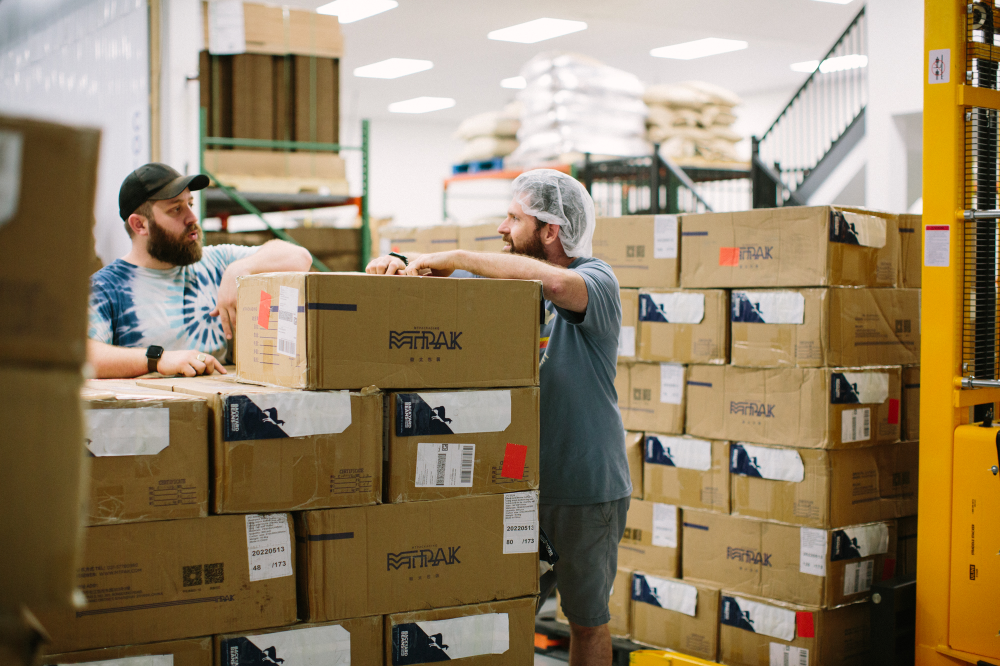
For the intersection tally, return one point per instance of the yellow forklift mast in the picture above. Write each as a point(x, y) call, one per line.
point(958, 551)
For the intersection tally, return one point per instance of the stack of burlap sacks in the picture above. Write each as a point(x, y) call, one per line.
point(693, 120)
point(490, 134)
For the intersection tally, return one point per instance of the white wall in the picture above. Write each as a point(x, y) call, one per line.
point(757, 113)
point(181, 39)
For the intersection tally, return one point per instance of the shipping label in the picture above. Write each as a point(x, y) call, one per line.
point(852, 543)
point(313, 646)
point(759, 618)
point(768, 307)
point(269, 546)
point(856, 229)
point(664, 525)
point(626, 341)
point(444, 465)
point(142, 431)
point(665, 237)
point(288, 320)
point(671, 383)
point(858, 577)
point(520, 522)
point(859, 388)
point(455, 638)
point(285, 414)
point(764, 462)
point(676, 307)
point(145, 660)
point(812, 551)
point(682, 452)
point(787, 655)
point(447, 413)
point(663, 593)
point(855, 425)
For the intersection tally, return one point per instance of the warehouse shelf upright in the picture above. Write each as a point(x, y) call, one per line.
point(259, 203)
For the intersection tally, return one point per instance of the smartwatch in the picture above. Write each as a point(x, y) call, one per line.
point(405, 261)
point(153, 354)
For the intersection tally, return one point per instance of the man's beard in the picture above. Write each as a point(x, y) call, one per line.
point(533, 248)
point(176, 250)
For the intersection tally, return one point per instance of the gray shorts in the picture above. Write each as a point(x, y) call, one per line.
point(586, 539)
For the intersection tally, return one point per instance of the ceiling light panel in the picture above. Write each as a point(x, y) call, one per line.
point(837, 2)
point(838, 64)
point(349, 11)
point(699, 49)
point(393, 68)
point(422, 105)
point(537, 31)
point(514, 83)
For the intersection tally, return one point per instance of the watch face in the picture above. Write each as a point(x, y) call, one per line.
point(154, 351)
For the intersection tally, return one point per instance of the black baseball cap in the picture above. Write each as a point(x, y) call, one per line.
point(153, 182)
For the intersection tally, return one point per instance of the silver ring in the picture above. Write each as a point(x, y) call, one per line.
point(200, 357)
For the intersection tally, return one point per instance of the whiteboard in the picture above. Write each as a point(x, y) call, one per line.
point(91, 67)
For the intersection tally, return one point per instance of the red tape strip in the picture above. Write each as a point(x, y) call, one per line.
point(804, 626)
point(893, 411)
point(513, 461)
point(264, 310)
point(729, 256)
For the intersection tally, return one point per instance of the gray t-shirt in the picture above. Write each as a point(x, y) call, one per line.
point(582, 450)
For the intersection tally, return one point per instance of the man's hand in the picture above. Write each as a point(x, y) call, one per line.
point(225, 304)
point(189, 363)
point(385, 266)
point(439, 264)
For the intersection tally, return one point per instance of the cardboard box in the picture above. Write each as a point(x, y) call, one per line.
point(641, 249)
point(43, 466)
point(357, 642)
point(825, 327)
point(149, 455)
point(44, 301)
point(348, 331)
point(906, 546)
point(686, 471)
point(816, 408)
point(171, 579)
point(676, 615)
point(268, 29)
point(802, 565)
point(911, 404)
point(798, 246)
point(683, 326)
point(651, 541)
point(411, 241)
point(253, 113)
point(276, 449)
point(824, 489)
point(630, 325)
point(444, 444)
point(490, 634)
point(619, 605)
point(270, 164)
point(189, 652)
point(764, 632)
point(482, 237)
point(651, 396)
point(635, 444)
point(911, 250)
point(317, 99)
point(393, 558)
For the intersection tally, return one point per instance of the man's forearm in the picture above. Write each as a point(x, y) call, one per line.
point(275, 256)
point(111, 362)
point(560, 285)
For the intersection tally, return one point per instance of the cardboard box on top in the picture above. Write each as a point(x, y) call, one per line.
point(444, 444)
point(619, 605)
point(411, 241)
point(349, 331)
point(635, 443)
point(253, 113)
point(911, 404)
point(674, 614)
point(149, 453)
point(171, 579)
point(357, 642)
point(187, 652)
point(276, 449)
point(763, 632)
point(652, 539)
point(823, 568)
point(44, 465)
point(642, 250)
point(482, 237)
point(268, 29)
point(651, 396)
point(817, 408)
point(488, 634)
point(800, 246)
point(393, 558)
point(45, 302)
point(824, 489)
point(316, 115)
point(911, 250)
point(630, 325)
point(683, 326)
point(269, 164)
point(686, 471)
point(825, 327)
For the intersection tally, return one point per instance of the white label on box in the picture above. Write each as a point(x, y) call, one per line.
point(626, 341)
point(855, 425)
point(671, 383)
point(145, 660)
point(868, 387)
point(675, 307)
point(858, 577)
point(456, 412)
point(286, 414)
point(670, 594)
point(142, 431)
point(226, 30)
point(664, 525)
point(665, 237)
point(867, 230)
point(764, 462)
point(288, 320)
point(788, 655)
point(768, 307)
point(11, 150)
point(758, 617)
point(937, 245)
point(938, 66)
point(683, 452)
point(444, 465)
point(862, 541)
point(812, 551)
point(329, 645)
point(269, 546)
point(520, 522)
point(454, 638)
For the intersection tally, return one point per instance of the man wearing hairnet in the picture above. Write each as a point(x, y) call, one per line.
point(585, 484)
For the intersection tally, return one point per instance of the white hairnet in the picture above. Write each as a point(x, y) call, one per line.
point(556, 198)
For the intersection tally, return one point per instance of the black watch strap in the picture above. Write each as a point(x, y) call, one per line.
point(406, 262)
point(153, 355)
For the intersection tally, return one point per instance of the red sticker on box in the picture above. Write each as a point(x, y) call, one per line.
point(729, 256)
point(804, 627)
point(264, 310)
point(513, 461)
point(893, 411)
point(888, 568)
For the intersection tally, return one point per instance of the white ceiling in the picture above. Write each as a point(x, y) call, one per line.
point(469, 67)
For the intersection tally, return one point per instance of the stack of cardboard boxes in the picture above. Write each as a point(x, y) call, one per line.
point(413, 240)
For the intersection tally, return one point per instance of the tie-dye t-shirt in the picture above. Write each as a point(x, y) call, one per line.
point(131, 306)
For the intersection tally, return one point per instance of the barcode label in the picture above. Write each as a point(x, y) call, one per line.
point(288, 320)
point(444, 465)
point(468, 458)
point(787, 655)
point(858, 577)
point(286, 347)
point(855, 425)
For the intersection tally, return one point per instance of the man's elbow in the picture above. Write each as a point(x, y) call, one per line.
point(301, 258)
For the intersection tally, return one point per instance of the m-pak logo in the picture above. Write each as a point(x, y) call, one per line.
point(424, 340)
point(755, 252)
point(748, 556)
point(420, 559)
point(755, 409)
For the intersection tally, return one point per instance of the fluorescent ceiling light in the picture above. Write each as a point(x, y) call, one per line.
point(699, 48)
point(349, 11)
point(422, 105)
point(537, 30)
point(514, 82)
point(393, 68)
point(838, 64)
point(837, 2)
